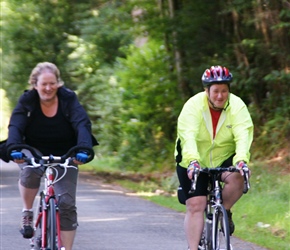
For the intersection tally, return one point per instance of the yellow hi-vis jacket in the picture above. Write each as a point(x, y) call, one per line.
point(234, 133)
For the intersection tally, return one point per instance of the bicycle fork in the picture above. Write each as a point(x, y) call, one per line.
point(40, 241)
point(207, 236)
point(208, 232)
point(44, 230)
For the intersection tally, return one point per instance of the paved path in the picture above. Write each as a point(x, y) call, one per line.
point(109, 219)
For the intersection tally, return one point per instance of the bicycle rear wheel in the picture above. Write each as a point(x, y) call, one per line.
point(221, 231)
point(51, 226)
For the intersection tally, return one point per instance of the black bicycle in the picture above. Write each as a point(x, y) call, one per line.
point(216, 234)
point(47, 225)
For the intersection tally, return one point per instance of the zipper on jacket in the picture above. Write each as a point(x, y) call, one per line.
point(210, 153)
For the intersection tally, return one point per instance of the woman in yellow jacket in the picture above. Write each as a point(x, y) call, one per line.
point(214, 129)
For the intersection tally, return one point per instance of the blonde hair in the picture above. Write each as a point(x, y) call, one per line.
point(42, 67)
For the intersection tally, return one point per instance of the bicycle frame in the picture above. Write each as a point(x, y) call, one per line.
point(46, 195)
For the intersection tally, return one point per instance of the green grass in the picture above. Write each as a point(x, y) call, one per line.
point(262, 216)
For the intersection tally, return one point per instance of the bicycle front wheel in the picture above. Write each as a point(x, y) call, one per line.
point(51, 226)
point(221, 231)
point(36, 241)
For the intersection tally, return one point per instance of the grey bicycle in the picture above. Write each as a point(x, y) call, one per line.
point(216, 234)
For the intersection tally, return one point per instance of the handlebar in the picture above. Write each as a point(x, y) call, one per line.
point(219, 170)
point(51, 158)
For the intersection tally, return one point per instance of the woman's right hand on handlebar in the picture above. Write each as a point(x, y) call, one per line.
point(192, 168)
point(17, 156)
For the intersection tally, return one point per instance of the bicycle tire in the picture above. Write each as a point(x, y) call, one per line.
point(221, 231)
point(51, 226)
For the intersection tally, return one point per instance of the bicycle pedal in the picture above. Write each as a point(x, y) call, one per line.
point(35, 243)
point(31, 242)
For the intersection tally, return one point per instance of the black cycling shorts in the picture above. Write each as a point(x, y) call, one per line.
point(201, 184)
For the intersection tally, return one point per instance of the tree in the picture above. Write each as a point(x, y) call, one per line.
point(134, 63)
point(33, 33)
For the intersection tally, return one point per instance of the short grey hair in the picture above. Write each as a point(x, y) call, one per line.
point(42, 67)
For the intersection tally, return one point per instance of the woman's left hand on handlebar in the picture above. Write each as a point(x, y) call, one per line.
point(81, 158)
point(241, 165)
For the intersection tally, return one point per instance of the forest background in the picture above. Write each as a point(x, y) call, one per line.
point(134, 63)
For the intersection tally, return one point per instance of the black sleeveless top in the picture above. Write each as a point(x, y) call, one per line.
point(50, 135)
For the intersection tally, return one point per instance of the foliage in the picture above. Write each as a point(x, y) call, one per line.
point(148, 110)
point(4, 114)
point(91, 67)
point(134, 63)
point(272, 119)
point(35, 32)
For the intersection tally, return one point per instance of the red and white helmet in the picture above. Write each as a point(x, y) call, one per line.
point(216, 75)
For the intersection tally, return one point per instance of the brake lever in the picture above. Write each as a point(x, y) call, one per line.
point(194, 180)
point(246, 180)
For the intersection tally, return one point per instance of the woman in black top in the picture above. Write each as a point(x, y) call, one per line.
point(50, 118)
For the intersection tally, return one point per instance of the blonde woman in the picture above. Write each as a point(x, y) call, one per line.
point(49, 118)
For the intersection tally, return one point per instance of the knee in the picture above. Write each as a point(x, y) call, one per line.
point(235, 180)
point(196, 205)
point(68, 214)
point(30, 178)
point(66, 202)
